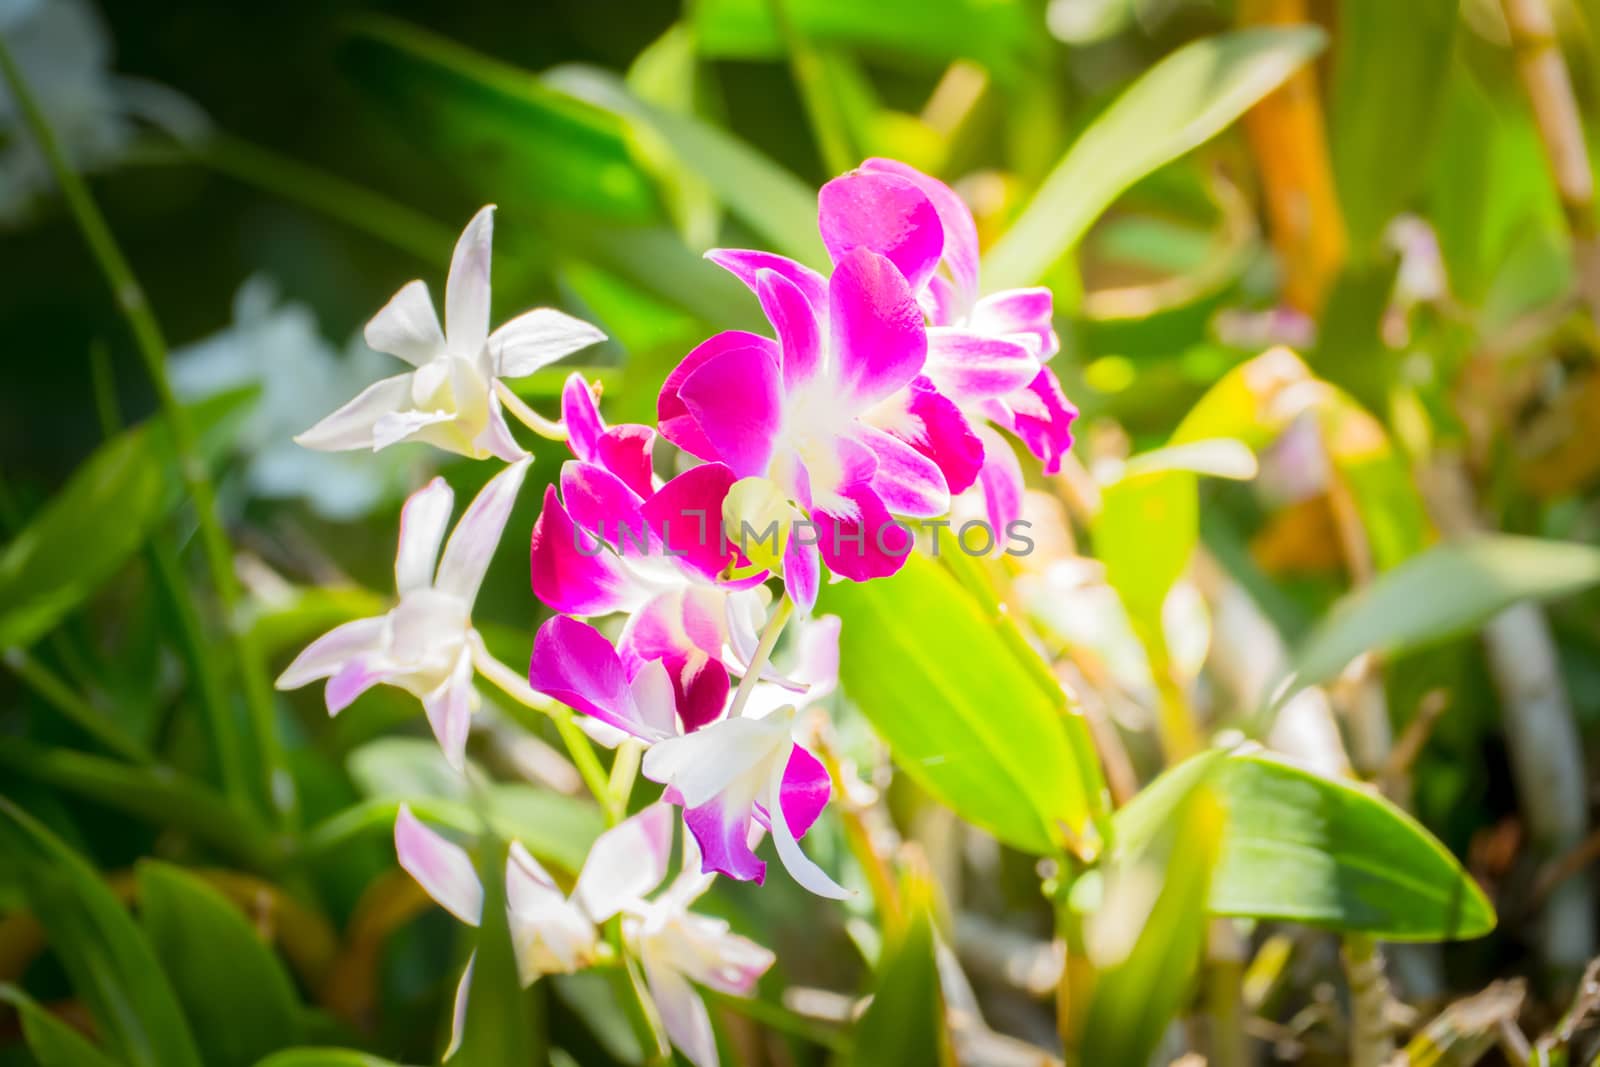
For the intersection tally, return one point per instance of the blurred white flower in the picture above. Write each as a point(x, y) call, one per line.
point(65, 55)
point(277, 347)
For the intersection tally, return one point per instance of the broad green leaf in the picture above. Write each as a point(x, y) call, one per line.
point(1145, 533)
point(52, 1042)
point(1004, 35)
point(905, 1023)
point(68, 549)
point(323, 1057)
point(766, 198)
point(1303, 848)
point(962, 712)
point(1378, 477)
point(499, 1025)
point(110, 964)
point(1447, 590)
point(1179, 104)
point(234, 990)
point(1160, 908)
point(501, 129)
point(1390, 77)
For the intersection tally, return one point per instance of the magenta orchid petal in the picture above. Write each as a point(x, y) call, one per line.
point(601, 504)
point(736, 398)
point(574, 663)
point(747, 267)
point(968, 366)
point(805, 790)
point(882, 213)
point(878, 340)
point(864, 543)
point(442, 869)
point(571, 570)
point(1026, 312)
point(905, 480)
point(686, 515)
point(352, 679)
point(1042, 416)
point(802, 572)
point(683, 631)
point(796, 322)
point(581, 416)
point(945, 435)
point(722, 832)
point(1001, 482)
point(626, 451)
point(677, 424)
point(960, 232)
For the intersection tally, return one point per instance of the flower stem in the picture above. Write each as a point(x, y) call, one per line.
point(576, 741)
point(276, 783)
point(549, 430)
point(763, 654)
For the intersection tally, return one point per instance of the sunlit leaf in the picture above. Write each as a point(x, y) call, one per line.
point(1304, 848)
point(109, 962)
point(962, 714)
point(234, 990)
point(905, 1023)
point(1177, 105)
point(1448, 590)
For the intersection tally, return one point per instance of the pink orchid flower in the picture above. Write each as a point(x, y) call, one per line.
point(553, 933)
point(613, 541)
point(987, 354)
point(426, 645)
point(455, 398)
point(729, 774)
point(792, 410)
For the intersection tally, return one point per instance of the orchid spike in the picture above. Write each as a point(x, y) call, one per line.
point(455, 397)
point(426, 644)
point(730, 775)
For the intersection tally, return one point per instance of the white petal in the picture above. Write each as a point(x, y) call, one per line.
point(352, 425)
point(407, 326)
point(797, 863)
point(458, 1013)
point(496, 438)
point(396, 426)
point(324, 656)
point(626, 862)
point(477, 535)
point(466, 292)
point(442, 869)
point(654, 697)
point(682, 1011)
point(422, 525)
point(717, 757)
point(549, 933)
point(537, 339)
point(449, 709)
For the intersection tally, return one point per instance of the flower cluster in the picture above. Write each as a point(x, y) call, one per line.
point(880, 397)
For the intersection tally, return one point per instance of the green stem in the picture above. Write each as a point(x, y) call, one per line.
point(624, 770)
point(763, 655)
point(59, 695)
point(276, 782)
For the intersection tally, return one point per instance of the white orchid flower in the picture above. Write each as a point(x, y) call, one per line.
point(426, 645)
point(552, 933)
point(455, 398)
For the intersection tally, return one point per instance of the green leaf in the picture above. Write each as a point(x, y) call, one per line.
point(69, 549)
point(768, 199)
point(323, 1057)
point(499, 128)
point(235, 991)
point(1179, 104)
point(1145, 533)
point(52, 1042)
point(905, 1023)
point(1390, 76)
point(1447, 590)
point(110, 964)
point(962, 712)
point(1303, 848)
point(1004, 35)
point(1143, 985)
point(499, 1024)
